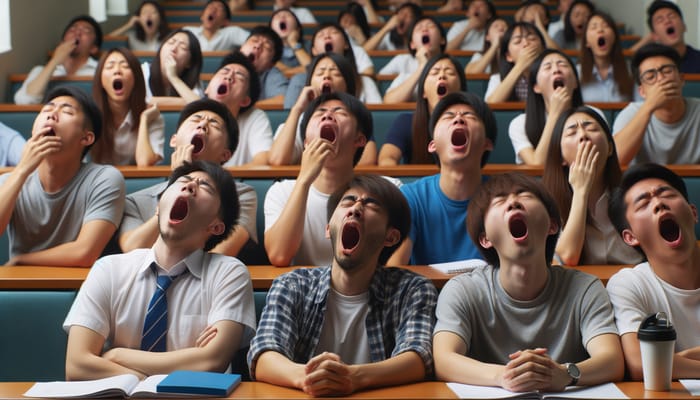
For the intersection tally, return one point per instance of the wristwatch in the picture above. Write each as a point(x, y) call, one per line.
point(573, 372)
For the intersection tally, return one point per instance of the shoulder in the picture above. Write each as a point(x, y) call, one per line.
point(101, 173)
point(630, 276)
point(302, 277)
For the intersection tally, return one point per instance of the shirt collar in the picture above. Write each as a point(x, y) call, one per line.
point(376, 286)
point(193, 262)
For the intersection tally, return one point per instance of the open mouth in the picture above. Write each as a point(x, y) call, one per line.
point(179, 210)
point(670, 30)
point(459, 138)
point(149, 23)
point(441, 89)
point(425, 39)
point(670, 230)
point(77, 42)
point(558, 83)
point(222, 89)
point(476, 14)
point(51, 132)
point(118, 84)
point(326, 88)
point(350, 237)
point(328, 133)
point(517, 227)
point(283, 26)
point(251, 57)
point(329, 47)
point(210, 17)
point(198, 143)
point(601, 41)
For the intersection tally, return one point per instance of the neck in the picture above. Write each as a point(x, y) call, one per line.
point(332, 179)
point(681, 272)
point(55, 174)
point(523, 279)
point(73, 63)
point(459, 184)
point(209, 32)
point(681, 48)
point(602, 63)
point(672, 111)
point(168, 253)
point(119, 111)
point(352, 282)
point(235, 109)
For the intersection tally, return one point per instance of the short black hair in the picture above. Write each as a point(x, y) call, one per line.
point(356, 108)
point(617, 209)
point(441, 29)
point(230, 123)
point(93, 120)
point(91, 21)
point(269, 33)
point(659, 4)
point(480, 107)
point(229, 209)
point(390, 199)
point(226, 9)
point(504, 184)
point(653, 50)
point(236, 57)
point(490, 6)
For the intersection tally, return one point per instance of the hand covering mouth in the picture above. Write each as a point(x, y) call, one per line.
point(179, 210)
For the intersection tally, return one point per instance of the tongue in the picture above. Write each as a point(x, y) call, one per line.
point(149, 23)
point(669, 230)
point(351, 237)
point(179, 210)
point(441, 90)
point(518, 229)
point(198, 143)
point(601, 42)
point(329, 47)
point(117, 85)
point(222, 89)
point(425, 39)
point(328, 133)
point(283, 25)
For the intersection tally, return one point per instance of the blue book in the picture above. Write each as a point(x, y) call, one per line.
point(198, 382)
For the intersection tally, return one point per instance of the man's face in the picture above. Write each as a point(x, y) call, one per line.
point(359, 230)
point(63, 117)
point(260, 50)
point(667, 27)
point(117, 78)
point(459, 134)
point(426, 34)
point(83, 34)
point(206, 132)
point(329, 39)
point(214, 15)
point(230, 85)
point(657, 71)
point(660, 220)
point(332, 121)
point(189, 208)
point(517, 225)
point(479, 10)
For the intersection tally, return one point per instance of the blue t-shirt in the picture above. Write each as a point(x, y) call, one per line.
point(438, 224)
point(400, 135)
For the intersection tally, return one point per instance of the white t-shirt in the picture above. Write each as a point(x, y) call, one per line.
point(474, 40)
point(125, 140)
point(400, 64)
point(255, 136)
point(115, 295)
point(344, 332)
point(362, 59)
point(137, 45)
point(638, 292)
point(224, 39)
point(146, 69)
point(22, 97)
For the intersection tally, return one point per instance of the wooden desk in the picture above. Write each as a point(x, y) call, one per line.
point(423, 390)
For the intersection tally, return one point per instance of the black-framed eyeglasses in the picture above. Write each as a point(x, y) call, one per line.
point(649, 76)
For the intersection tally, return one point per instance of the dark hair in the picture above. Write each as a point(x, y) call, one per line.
point(91, 21)
point(300, 28)
point(93, 116)
point(254, 89)
point(421, 117)
point(556, 175)
point(569, 33)
point(103, 152)
point(223, 3)
point(355, 107)
point(348, 52)
point(397, 39)
point(504, 66)
point(272, 36)
point(653, 50)
point(441, 29)
point(617, 209)
point(621, 73)
point(229, 208)
point(189, 75)
point(535, 110)
point(355, 9)
point(500, 185)
point(656, 6)
point(221, 110)
point(348, 70)
point(162, 27)
point(390, 199)
point(487, 43)
point(481, 109)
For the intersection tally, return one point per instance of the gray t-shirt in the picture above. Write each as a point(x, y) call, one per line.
point(43, 220)
point(141, 206)
point(663, 143)
point(572, 309)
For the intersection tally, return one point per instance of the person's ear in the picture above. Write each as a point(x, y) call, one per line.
point(553, 227)
point(173, 140)
point(392, 237)
point(328, 231)
point(216, 228)
point(629, 237)
point(694, 210)
point(88, 138)
point(225, 155)
point(484, 241)
point(245, 102)
point(431, 147)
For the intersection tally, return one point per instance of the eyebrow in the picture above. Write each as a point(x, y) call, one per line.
point(647, 194)
point(61, 105)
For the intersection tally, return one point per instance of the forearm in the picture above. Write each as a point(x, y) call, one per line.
point(540, 154)
point(71, 254)
point(122, 29)
point(302, 56)
point(144, 154)
point(505, 88)
point(454, 367)
point(479, 66)
point(686, 364)
point(282, 147)
point(283, 238)
point(402, 255)
point(186, 92)
point(456, 41)
point(9, 192)
point(369, 154)
point(142, 237)
point(404, 368)
point(91, 366)
point(373, 42)
point(605, 367)
point(37, 86)
point(389, 155)
point(405, 90)
point(629, 139)
point(571, 240)
point(161, 101)
point(273, 367)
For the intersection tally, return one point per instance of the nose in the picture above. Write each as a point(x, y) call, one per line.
point(514, 203)
point(191, 187)
point(328, 116)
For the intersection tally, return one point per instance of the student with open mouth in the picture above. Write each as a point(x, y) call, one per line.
point(146, 28)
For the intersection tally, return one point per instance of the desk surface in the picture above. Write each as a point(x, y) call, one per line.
point(70, 278)
point(423, 390)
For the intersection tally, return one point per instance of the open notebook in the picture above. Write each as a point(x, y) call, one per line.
point(604, 391)
point(458, 267)
point(176, 384)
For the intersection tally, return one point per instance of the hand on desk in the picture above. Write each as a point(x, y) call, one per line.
point(327, 374)
point(530, 370)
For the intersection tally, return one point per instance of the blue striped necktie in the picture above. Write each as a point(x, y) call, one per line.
point(155, 326)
